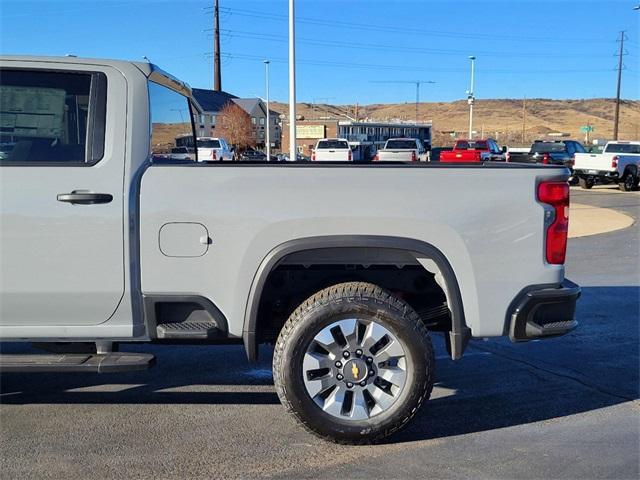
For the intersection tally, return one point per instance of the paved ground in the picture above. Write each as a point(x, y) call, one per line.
point(589, 220)
point(561, 408)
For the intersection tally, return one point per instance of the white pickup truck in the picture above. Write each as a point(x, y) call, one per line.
point(212, 149)
point(332, 150)
point(401, 150)
point(618, 163)
point(103, 242)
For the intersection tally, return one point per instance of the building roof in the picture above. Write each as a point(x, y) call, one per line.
point(247, 104)
point(212, 101)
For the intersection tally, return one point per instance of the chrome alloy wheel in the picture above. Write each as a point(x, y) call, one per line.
point(355, 369)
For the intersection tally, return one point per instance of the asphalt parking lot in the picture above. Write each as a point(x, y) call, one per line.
point(559, 408)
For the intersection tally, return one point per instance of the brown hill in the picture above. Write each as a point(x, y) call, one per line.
point(502, 118)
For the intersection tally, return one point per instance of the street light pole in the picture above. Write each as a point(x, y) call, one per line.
point(292, 84)
point(266, 74)
point(470, 97)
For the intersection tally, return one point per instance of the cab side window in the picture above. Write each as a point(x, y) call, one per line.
point(52, 117)
point(171, 121)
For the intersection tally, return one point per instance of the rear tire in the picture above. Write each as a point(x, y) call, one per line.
point(332, 339)
point(629, 182)
point(585, 182)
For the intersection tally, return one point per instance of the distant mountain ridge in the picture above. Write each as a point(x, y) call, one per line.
point(502, 118)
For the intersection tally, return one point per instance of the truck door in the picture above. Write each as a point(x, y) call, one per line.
point(61, 195)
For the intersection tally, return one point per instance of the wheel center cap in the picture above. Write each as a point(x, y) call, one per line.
point(355, 370)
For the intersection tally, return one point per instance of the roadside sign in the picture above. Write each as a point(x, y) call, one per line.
point(586, 129)
point(310, 131)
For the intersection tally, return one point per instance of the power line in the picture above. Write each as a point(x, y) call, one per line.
point(377, 46)
point(430, 33)
point(377, 67)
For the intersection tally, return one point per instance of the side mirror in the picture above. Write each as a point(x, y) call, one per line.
point(504, 149)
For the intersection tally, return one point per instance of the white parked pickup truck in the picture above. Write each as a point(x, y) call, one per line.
point(213, 149)
point(618, 163)
point(402, 150)
point(332, 150)
point(103, 242)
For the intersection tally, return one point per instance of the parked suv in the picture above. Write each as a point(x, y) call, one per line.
point(555, 152)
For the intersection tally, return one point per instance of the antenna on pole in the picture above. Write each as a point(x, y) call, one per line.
point(416, 83)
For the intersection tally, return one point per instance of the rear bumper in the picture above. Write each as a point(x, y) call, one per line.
point(540, 312)
point(612, 175)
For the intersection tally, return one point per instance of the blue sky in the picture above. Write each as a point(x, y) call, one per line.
point(550, 49)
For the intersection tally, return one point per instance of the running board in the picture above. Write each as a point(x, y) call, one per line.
point(76, 362)
point(188, 330)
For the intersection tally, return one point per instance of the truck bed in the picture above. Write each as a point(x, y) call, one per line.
point(594, 161)
point(493, 240)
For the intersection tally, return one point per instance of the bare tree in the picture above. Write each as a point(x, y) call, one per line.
point(234, 125)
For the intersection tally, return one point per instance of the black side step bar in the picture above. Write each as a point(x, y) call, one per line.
point(76, 362)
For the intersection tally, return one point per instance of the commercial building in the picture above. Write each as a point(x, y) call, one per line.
point(365, 138)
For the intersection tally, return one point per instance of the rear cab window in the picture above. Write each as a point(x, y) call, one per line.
point(206, 143)
point(548, 147)
point(333, 144)
point(623, 148)
point(402, 144)
point(471, 145)
point(52, 117)
point(171, 121)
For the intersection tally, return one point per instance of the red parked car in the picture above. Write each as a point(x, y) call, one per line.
point(482, 150)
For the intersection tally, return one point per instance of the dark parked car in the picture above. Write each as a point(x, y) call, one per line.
point(554, 152)
point(252, 155)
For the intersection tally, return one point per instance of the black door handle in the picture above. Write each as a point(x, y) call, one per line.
point(84, 198)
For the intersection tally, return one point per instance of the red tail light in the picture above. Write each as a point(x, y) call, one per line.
point(413, 156)
point(545, 159)
point(350, 156)
point(507, 157)
point(313, 156)
point(556, 194)
point(376, 158)
point(614, 162)
point(213, 155)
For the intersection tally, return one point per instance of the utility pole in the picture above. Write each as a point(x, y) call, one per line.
point(292, 84)
point(217, 76)
point(617, 115)
point(524, 118)
point(268, 142)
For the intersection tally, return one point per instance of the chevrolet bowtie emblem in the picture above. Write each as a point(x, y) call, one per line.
point(355, 371)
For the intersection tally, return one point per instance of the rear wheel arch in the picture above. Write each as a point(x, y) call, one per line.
point(426, 254)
